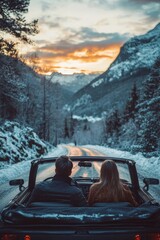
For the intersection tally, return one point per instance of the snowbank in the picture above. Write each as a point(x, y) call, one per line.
point(19, 143)
point(145, 165)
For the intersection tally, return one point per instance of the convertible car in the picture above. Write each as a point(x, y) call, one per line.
point(58, 220)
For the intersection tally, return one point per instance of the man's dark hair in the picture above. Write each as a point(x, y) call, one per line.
point(64, 165)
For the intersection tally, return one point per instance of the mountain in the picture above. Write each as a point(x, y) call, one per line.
point(72, 82)
point(112, 88)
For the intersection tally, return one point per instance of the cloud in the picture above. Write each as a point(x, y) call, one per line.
point(45, 5)
point(84, 52)
point(145, 1)
point(131, 4)
point(91, 47)
point(100, 3)
point(46, 20)
point(63, 53)
point(41, 42)
point(89, 33)
point(153, 14)
point(56, 22)
point(148, 9)
point(89, 40)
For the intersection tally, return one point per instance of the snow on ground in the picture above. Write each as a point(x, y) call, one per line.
point(145, 165)
point(19, 143)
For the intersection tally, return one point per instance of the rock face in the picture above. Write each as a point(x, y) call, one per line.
point(19, 143)
point(112, 88)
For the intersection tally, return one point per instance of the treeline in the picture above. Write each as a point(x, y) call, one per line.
point(26, 97)
point(32, 100)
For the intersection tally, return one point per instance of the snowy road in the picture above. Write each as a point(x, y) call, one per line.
point(82, 151)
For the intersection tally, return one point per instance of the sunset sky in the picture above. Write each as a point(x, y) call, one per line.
point(86, 35)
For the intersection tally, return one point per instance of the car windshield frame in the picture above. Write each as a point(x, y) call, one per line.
point(37, 162)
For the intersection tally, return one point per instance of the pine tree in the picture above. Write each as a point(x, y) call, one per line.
point(113, 123)
point(72, 127)
point(12, 90)
point(12, 19)
point(131, 104)
point(66, 130)
point(8, 48)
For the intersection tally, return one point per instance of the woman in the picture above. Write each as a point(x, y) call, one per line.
point(110, 188)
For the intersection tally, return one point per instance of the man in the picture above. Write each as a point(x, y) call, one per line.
point(61, 189)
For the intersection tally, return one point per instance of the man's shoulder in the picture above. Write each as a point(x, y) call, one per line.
point(43, 185)
point(75, 189)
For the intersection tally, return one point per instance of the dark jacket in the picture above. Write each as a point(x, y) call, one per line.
point(61, 189)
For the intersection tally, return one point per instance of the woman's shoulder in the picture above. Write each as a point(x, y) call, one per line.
point(126, 189)
point(129, 196)
point(95, 186)
point(125, 186)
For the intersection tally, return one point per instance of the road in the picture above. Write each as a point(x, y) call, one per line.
point(82, 151)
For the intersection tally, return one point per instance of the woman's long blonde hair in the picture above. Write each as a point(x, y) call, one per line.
point(109, 179)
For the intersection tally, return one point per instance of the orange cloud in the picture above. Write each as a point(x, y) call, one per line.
point(56, 59)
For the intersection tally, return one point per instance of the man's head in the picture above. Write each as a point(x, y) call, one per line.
point(64, 166)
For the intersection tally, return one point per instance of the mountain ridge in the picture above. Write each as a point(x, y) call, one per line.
point(72, 82)
point(132, 65)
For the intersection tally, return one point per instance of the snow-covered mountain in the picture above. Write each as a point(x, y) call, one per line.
point(72, 82)
point(112, 88)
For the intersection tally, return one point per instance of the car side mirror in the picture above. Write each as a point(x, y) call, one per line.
point(17, 182)
point(150, 181)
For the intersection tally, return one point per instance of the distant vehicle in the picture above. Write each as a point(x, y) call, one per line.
point(56, 220)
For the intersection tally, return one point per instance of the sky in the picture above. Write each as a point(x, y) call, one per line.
point(85, 36)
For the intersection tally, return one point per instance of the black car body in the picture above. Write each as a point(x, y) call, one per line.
point(109, 221)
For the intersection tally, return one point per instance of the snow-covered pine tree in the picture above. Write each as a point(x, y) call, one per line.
point(113, 124)
point(12, 89)
point(57, 115)
point(131, 104)
point(66, 130)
